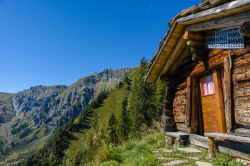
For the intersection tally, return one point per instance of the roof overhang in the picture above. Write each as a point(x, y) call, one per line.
point(174, 42)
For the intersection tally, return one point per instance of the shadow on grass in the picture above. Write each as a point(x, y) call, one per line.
point(85, 123)
point(66, 137)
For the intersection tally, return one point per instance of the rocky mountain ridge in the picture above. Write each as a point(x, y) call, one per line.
point(36, 112)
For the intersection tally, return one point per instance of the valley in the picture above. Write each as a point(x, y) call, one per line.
point(29, 117)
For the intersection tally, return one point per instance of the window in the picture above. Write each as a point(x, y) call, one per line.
point(207, 85)
point(225, 38)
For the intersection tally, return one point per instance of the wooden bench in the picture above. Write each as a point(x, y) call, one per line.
point(235, 138)
point(176, 137)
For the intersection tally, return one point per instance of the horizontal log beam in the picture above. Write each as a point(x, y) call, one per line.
point(180, 59)
point(229, 137)
point(188, 35)
point(183, 127)
point(198, 57)
point(231, 8)
point(245, 28)
point(198, 50)
point(166, 77)
point(195, 43)
point(234, 7)
point(228, 21)
point(198, 53)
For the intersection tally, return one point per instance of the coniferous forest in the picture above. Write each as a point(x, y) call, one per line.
point(129, 112)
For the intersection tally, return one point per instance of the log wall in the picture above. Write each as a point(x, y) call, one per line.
point(180, 103)
point(240, 87)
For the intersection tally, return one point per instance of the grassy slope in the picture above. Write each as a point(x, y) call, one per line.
point(112, 104)
point(22, 153)
point(142, 152)
point(5, 103)
point(23, 150)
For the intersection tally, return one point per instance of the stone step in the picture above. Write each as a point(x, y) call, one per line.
point(189, 150)
point(202, 163)
point(174, 162)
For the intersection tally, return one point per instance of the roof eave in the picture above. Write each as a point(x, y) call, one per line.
point(196, 18)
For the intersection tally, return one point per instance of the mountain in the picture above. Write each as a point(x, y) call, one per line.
point(6, 111)
point(28, 117)
point(71, 143)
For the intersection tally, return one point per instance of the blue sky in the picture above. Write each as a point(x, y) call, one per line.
point(56, 42)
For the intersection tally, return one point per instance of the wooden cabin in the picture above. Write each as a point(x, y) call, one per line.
point(205, 60)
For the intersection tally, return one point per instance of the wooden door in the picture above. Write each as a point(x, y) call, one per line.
point(212, 103)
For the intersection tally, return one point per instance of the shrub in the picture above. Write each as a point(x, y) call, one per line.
point(110, 163)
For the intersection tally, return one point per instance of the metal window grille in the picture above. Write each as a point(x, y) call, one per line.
point(225, 38)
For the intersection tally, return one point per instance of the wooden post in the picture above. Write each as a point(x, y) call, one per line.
point(194, 106)
point(211, 147)
point(170, 141)
point(227, 97)
point(189, 102)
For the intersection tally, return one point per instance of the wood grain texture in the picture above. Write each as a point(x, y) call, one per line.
point(168, 123)
point(180, 135)
point(199, 141)
point(189, 102)
point(241, 89)
point(173, 57)
point(195, 43)
point(245, 27)
point(210, 116)
point(170, 141)
point(195, 106)
point(213, 107)
point(183, 127)
point(231, 8)
point(180, 59)
point(242, 132)
point(179, 105)
point(234, 149)
point(188, 35)
point(227, 92)
point(211, 147)
point(223, 22)
point(242, 73)
point(219, 100)
point(229, 137)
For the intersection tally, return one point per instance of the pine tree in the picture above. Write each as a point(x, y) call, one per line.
point(70, 124)
point(78, 158)
point(91, 142)
point(89, 153)
point(112, 130)
point(95, 121)
point(159, 97)
point(127, 80)
point(124, 123)
point(142, 100)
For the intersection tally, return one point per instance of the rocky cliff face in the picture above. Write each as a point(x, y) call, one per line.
point(35, 112)
point(35, 98)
